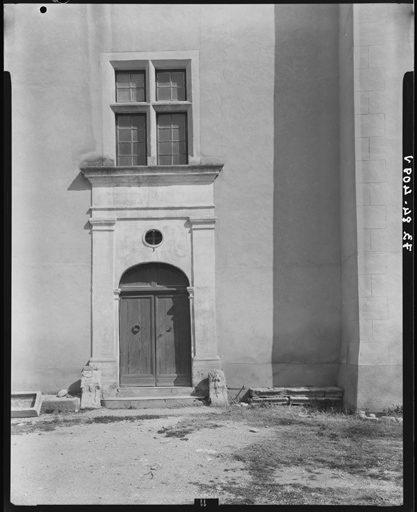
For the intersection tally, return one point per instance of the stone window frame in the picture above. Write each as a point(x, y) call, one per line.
point(150, 62)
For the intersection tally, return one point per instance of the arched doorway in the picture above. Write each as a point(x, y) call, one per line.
point(155, 334)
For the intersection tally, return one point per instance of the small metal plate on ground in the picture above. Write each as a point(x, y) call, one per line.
point(26, 404)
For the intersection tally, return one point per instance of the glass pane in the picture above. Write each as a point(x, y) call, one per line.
point(123, 121)
point(164, 160)
point(138, 121)
point(179, 159)
point(179, 148)
point(164, 134)
point(178, 133)
point(123, 160)
point(163, 94)
point(178, 120)
point(135, 149)
point(142, 149)
point(122, 79)
point(123, 95)
point(137, 79)
point(124, 134)
point(125, 148)
point(180, 92)
point(138, 135)
point(164, 120)
point(163, 78)
point(164, 148)
point(139, 160)
point(138, 94)
point(178, 78)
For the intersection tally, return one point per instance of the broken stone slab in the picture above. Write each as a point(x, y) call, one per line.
point(52, 404)
point(62, 393)
point(312, 391)
point(217, 388)
point(90, 388)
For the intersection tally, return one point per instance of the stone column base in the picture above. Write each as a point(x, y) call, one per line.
point(200, 370)
point(109, 374)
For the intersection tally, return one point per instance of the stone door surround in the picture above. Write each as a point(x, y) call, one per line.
point(127, 201)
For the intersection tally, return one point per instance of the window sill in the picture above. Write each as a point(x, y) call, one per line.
point(152, 174)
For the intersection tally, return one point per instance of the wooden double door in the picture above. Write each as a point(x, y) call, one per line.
point(155, 338)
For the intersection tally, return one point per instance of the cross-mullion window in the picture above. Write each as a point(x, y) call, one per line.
point(172, 139)
point(170, 85)
point(130, 86)
point(131, 139)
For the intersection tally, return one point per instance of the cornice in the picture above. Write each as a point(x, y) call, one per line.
point(152, 175)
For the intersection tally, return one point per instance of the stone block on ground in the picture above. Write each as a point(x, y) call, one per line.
point(53, 404)
point(217, 388)
point(26, 404)
point(90, 388)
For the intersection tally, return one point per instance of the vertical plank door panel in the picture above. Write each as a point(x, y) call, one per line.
point(173, 340)
point(137, 341)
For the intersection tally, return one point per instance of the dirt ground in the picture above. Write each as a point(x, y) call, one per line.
point(239, 455)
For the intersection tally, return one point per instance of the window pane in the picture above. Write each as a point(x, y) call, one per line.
point(164, 160)
point(138, 121)
point(125, 148)
point(131, 128)
point(178, 94)
point(165, 148)
point(123, 95)
point(138, 94)
point(123, 160)
point(178, 133)
point(137, 79)
point(130, 86)
point(164, 134)
point(179, 159)
point(163, 94)
point(122, 79)
point(124, 135)
point(142, 149)
point(172, 127)
point(178, 78)
point(164, 120)
point(163, 78)
point(138, 135)
point(124, 121)
point(139, 160)
point(178, 120)
point(179, 148)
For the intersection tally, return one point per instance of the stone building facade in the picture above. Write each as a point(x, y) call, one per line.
point(230, 174)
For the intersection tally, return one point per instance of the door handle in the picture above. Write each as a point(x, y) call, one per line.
point(135, 328)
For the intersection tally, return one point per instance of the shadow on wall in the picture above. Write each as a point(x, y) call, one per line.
point(306, 218)
point(80, 183)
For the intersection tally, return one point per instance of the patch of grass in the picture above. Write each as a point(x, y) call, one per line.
point(116, 419)
point(188, 426)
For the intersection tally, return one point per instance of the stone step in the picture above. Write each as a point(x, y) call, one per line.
point(296, 395)
point(296, 391)
point(150, 402)
point(155, 391)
